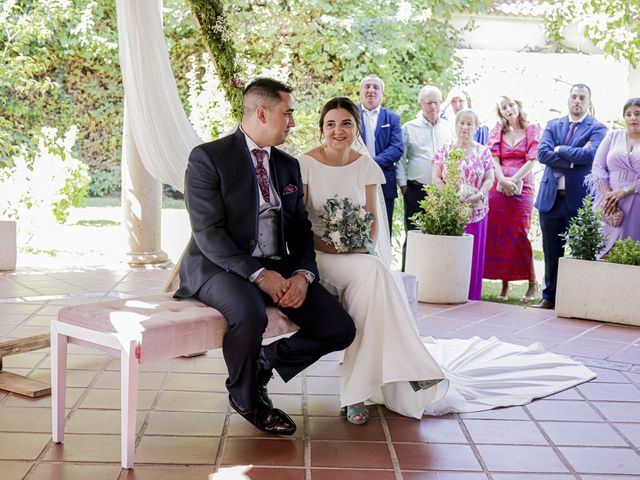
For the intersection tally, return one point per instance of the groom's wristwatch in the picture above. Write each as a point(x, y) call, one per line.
point(310, 277)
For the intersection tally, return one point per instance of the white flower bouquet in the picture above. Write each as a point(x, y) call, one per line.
point(346, 225)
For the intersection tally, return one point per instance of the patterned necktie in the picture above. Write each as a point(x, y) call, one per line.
point(261, 173)
point(572, 129)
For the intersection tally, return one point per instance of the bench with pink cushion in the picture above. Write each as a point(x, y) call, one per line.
point(139, 330)
point(142, 330)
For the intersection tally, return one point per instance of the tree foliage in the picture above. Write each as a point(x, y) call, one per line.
point(59, 61)
point(613, 25)
point(58, 67)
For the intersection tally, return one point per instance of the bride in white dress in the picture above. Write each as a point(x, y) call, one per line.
point(388, 353)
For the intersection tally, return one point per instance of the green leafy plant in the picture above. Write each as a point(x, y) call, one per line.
point(584, 236)
point(442, 211)
point(626, 252)
point(104, 182)
point(43, 183)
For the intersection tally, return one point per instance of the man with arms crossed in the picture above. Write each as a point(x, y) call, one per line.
point(567, 148)
point(252, 246)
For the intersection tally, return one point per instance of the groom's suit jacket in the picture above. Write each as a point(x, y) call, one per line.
point(388, 146)
point(573, 160)
point(222, 198)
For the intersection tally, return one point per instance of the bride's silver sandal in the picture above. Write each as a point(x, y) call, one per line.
point(352, 413)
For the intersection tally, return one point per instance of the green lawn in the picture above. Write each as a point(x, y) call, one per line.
point(491, 289)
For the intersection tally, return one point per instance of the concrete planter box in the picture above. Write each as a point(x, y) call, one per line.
point(598, 290)
point(8, 245)
point(442, 265)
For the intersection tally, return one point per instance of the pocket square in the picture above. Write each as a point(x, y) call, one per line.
point(289, 189)
point(387, 125)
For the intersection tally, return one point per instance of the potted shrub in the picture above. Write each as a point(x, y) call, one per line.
point(606, 289)
point(439, 253)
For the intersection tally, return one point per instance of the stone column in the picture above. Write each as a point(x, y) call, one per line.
point(141, 204)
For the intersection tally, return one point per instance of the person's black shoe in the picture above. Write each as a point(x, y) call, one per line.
point(545, 305)
point(269, 420)
point(265, 373)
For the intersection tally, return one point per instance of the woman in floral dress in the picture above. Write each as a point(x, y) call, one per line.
point(476, 171)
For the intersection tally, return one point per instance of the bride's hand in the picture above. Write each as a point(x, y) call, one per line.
point(358, 250)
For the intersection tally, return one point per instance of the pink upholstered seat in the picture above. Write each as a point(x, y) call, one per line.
point(163, 326)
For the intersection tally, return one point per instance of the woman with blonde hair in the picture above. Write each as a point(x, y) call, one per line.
point(514, 145)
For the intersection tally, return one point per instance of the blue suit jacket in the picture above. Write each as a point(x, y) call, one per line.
point(573, 160)
point(388, 146)
point(221, 196)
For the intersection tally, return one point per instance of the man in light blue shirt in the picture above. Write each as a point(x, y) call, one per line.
point(422, 137)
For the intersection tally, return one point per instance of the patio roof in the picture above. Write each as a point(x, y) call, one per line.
point(186, 429)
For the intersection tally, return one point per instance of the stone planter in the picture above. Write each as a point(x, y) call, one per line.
point(598, 290)
point(442, 265)
point(8, 245)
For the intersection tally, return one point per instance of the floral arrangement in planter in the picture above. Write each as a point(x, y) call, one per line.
point(442, 211)
point(604, 290)
point(584, 236)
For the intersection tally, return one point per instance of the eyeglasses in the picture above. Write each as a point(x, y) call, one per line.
point(437, 103)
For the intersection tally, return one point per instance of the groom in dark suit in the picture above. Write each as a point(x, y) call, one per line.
point(251, 246)
point(567, 148)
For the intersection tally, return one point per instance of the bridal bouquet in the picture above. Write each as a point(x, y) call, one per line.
point(346, 225)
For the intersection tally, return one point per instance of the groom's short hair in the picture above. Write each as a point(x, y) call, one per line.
point(263, 92)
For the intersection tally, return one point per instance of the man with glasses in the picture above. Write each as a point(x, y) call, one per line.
point(423, 136)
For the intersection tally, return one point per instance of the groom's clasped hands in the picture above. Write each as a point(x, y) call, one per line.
point(285, 292)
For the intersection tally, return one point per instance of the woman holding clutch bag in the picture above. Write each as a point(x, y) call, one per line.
point(514, 145)
point(615, 176)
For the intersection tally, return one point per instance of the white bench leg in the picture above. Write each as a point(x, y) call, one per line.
point(58, 383)
point(129, 403)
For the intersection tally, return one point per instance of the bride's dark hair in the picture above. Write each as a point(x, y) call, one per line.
point(344, 103)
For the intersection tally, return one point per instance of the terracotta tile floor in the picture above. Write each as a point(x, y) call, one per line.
point(186, 430)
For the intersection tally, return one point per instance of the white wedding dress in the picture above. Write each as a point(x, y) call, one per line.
point(478, 374)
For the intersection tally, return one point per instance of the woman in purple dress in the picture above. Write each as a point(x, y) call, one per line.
point(615, 176)
point(476, 171)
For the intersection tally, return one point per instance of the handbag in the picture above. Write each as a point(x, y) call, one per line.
point(613, 219)
point(519, 185)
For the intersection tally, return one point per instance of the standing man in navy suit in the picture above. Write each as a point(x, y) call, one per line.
point(251, 246)
point(382, 135)
point(567, 149)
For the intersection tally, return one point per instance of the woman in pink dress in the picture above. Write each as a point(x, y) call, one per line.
point(514, 147)
point(616, 176)
point(476, 171)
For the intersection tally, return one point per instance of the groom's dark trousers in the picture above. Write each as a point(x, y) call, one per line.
point(324, 328)
point(221, 196)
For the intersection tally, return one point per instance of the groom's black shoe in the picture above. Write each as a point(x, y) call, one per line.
point(265, 373)
point(269, 420)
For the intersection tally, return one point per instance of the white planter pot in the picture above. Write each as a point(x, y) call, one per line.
point(8, 245)
point(598, 290)
point(442, 265)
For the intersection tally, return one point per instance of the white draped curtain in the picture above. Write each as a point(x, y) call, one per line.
point(159, 125)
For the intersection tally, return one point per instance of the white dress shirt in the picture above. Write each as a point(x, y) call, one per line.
point(421, 142)
point(371, 119)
